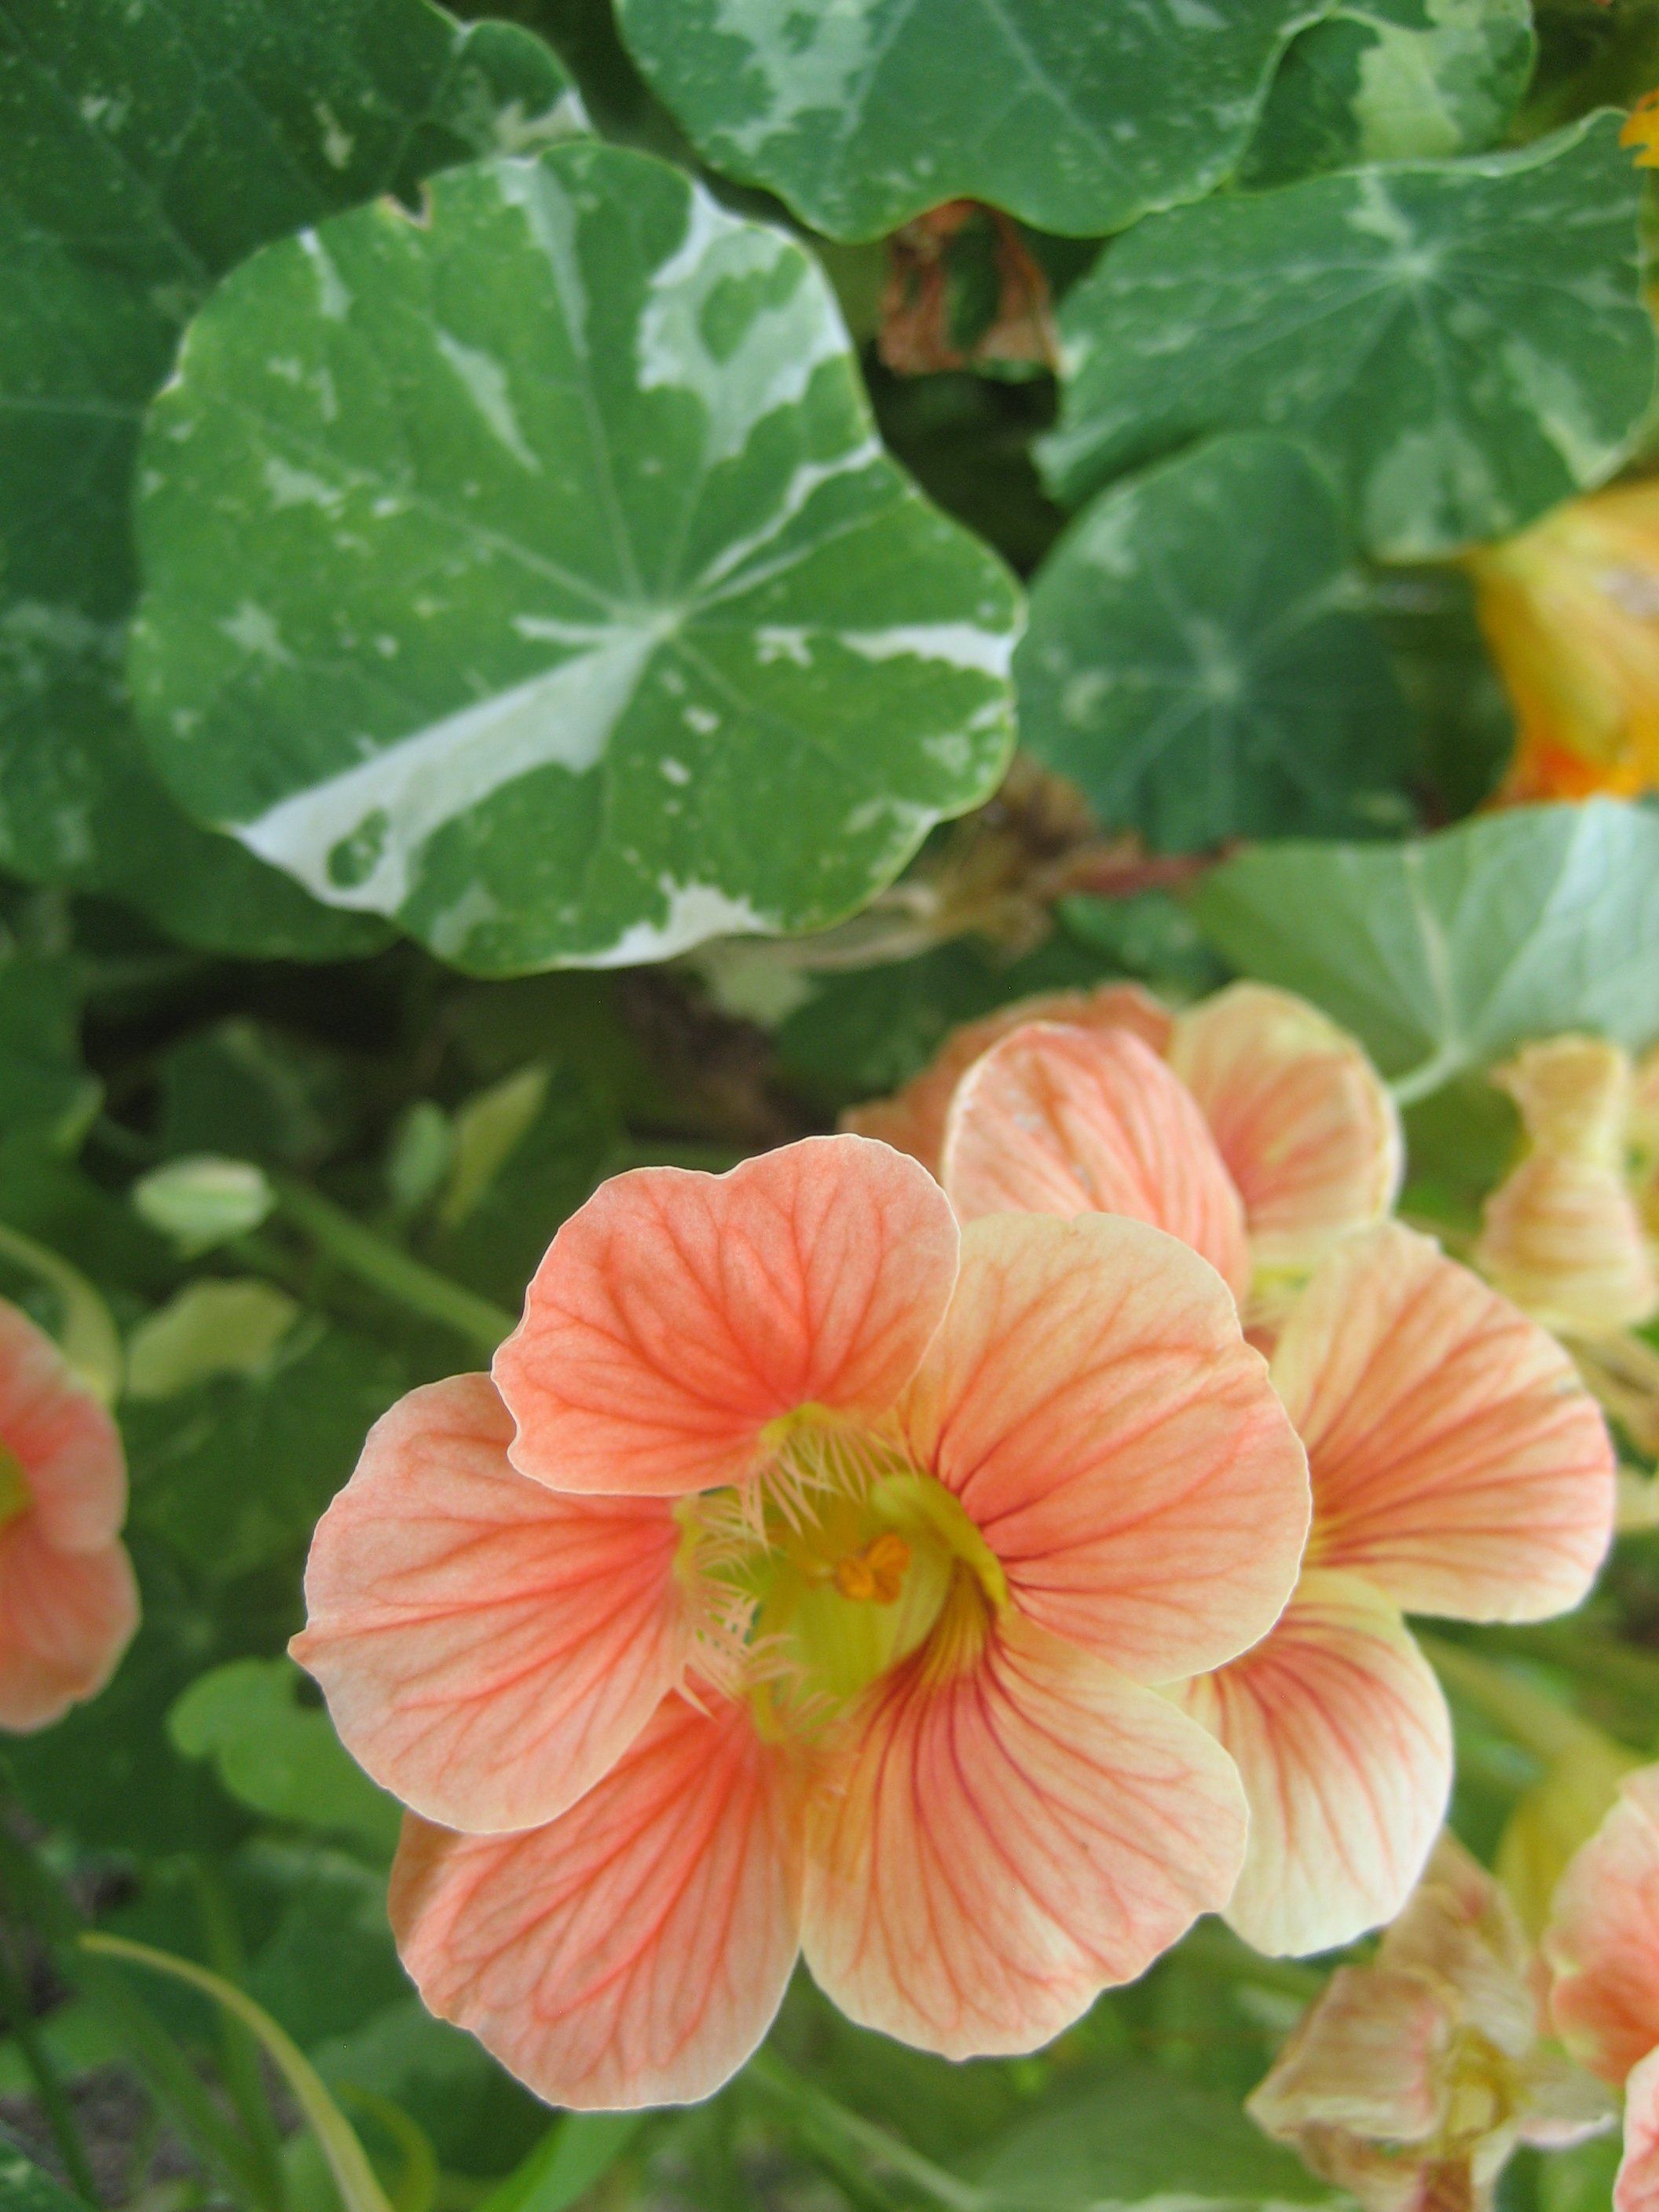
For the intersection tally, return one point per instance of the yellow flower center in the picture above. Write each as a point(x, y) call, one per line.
point(15, 1496)
point(838, 1561)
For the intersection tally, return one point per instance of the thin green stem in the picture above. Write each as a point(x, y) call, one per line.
point(239, 2048)
point(781, 2082)
point(60, 2114)
point(1535, 1722)
point(397, 1275)
point(1428, 1076)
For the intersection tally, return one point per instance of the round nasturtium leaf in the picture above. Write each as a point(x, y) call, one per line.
point(1076, 115)
point(1195, 664)
point(530, 571)
point(1464, 342)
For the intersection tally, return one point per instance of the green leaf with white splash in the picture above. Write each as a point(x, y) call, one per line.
point(1445, 952)
point(1394, 81)
point(126, 191)
point(860, 114)
point(1464, 342)
point(1195, 662)
point(532, 574)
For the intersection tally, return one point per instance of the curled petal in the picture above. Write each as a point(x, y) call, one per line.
point(66, 1620)
point(634, 1951)
point(1304, 1122)
point(1461, 1930)
point(912, 1119)
point(1565, 1239)
point(1067, 1121)
point(1368, 2060)
point(1575, 1095)
point(63, 1438)
point(1636, 2187)
point(676, 1316)
point(1341, 1739)
point(1602, 1941)
point(1458, 1461)
point(1090, 1400)
point(1001, 1840)
point(487, 1647)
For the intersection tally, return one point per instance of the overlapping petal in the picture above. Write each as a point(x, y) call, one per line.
point(913, 1120)
point(1062, 1120)
point(66, 1620)
point(1637, 2188)
point(62, 1437)
point(1304, 1123)
point(1342, 1741)
point(1458, 1461)
point(1002, 1840)
point(634, 1951)
point(1603, 1943)
point(1090, 1401)
point(676, 1316)
point(488, 1647)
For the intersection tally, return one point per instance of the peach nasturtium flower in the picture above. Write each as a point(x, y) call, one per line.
point(1302, 1126)
point(68, 1602)
point(1602, 1947)
point(1571, 610)
point(1414, 2077)
point(1459, 1467)
point(803, 1582)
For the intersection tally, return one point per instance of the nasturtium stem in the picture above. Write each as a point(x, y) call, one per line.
point(1537, 1723)
point(238, 2047)
point(60, 2114)
point(944, 2188)
point(397, 1275)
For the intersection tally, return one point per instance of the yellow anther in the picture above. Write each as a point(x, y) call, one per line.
point(875, 1575)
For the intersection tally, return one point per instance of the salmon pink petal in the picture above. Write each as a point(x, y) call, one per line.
point(66, 1620)
point(1603, 1943)
point(1302, 1120)
point(1637, 2188)
point(1458, 1461)
point(1340, 1736)
point(62, 1437)
point(1367, 2061)
point(1565, 1239)
point(912, 1119)
point(1002, 1839)
point(634, 1951)
point(1090, 1400)
point(487, 1647)
point(1069, 1122)
point(676, 1314)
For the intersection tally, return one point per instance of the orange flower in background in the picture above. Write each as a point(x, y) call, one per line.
point(1459, 1466)
point(1415, 2077)
point(1571, 610)
point(803, 1582)
point(1602, 1947)
point(1301, 1139)
point(68, 1602)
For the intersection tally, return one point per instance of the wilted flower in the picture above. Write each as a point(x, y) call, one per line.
point(1571, 609)
point(1414, 2078)
point(801, 1589)
point(1459, 1466)
point(1602, 1947)
point(68, 1602)
point(1301, 1130)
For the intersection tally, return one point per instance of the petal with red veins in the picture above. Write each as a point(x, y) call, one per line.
point(676, 1314)
point(1067, 1121)
point(634, 1951)
point(1602, 1941)
point(1458, 1461)
point(1001, 1840)
point(487, 1647)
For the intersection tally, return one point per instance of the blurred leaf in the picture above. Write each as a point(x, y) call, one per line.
point(1195, 665)
point(862, 113)
point(124, 193)
point(1394, 81)
point(1482, 345)
point(44, 1085)
point(1580, 2179)
point(1445, 952)
point(249, 1089)
point(202, 1201)
point(1145, 2138)
point(480, 2120)
point(1151, 935)
point(1555, 1818)
point(326, 1967)
point(24, 2187)
point(1466, 726)
point(235, 1472)
point(577, 2151)
point(739, 705)
point(278, 1756)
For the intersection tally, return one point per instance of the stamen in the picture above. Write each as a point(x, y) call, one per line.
point(875, 1575)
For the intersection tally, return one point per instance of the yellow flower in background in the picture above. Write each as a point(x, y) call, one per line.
point(1642, 130)
point(1571, 610)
